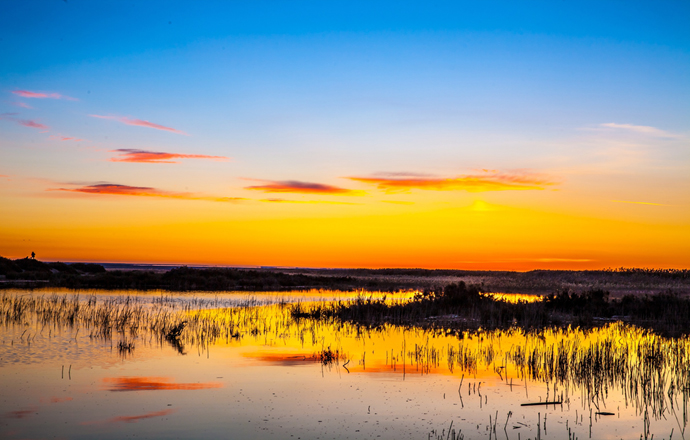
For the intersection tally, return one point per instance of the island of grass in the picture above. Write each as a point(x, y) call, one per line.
point(459, 307)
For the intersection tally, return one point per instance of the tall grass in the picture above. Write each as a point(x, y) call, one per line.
point(459, 306)
point(650, 370)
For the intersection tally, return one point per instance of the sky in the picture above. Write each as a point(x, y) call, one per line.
point(461, 135)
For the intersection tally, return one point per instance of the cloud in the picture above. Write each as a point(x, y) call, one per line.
point(26, 123)
point(140, 123)
point(21, 104)
point(64, 138)
point(133, 419)
point(144, 156)
point(42, 95)
point(315, 202)
point(294, 186)
point(399, 174)
point(32, 124)
point(154, 384)
point(489, 181)
point(639, 203)
point(642, 129)
point(114, 189)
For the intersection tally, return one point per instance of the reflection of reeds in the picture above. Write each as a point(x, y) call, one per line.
point(650, 370)
point(125, 348)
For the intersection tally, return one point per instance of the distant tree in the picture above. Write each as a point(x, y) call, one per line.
point(33, 255)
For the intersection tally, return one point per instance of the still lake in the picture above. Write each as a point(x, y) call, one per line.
point(87, 364)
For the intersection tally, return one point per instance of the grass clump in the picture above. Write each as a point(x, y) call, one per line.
point(463, 306)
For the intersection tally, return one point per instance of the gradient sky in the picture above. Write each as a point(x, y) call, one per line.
point(478, 135)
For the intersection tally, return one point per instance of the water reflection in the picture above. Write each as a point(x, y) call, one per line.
point(153, 384)
point(639, 377)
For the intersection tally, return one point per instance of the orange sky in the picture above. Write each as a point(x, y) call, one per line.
point(464, 141)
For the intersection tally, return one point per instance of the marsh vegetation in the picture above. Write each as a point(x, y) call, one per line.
point(584, 369)
point(458, 306)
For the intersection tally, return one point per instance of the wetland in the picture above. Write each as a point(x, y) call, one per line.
point(304, 364)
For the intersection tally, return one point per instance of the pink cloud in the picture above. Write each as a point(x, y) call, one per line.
point(295, 186)
point(144, 156)
point(490, 180)
point(25, 122)
point(21, 104)
point(139, 123)
point(65, 138)
point(42, 95)
point(32, 124)
point(112, 189)
point(314, 202)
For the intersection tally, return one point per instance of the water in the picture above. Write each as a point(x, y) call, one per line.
point(243, 368)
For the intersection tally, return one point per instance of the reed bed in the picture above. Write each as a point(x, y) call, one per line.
point(460, 306)
point(650, 370)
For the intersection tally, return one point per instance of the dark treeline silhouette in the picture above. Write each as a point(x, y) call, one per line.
point(31, 269)
point(27, 272)
point(94, 276)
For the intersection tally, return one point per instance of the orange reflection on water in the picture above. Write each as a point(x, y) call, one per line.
point(153, 384)
point(55, 399)
point(22, 413)
point(284, 359)
point(132, 419)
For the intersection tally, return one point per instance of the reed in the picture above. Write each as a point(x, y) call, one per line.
point(459, 306)
point(650, 369)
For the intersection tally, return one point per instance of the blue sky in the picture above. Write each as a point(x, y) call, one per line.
point(592, 97)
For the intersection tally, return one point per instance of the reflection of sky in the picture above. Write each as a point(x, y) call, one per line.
point(262, 384)
point(585, 104)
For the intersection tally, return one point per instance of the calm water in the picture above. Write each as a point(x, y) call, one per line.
point(243, 368)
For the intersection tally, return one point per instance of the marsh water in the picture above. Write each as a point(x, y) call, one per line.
point(93, 364)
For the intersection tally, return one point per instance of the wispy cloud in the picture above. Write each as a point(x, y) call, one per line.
point(25, 122)
point(132, 419)
point(641, 129)
point(144, 156)
point(488, 181)
point(639, 203)
point(154, 384)
point(314, 202)
point(21, 104)
point(42, 95)
point(113, 189)
point(32, 124)
point(140, 123)
point(56, 137)
point(295, 186)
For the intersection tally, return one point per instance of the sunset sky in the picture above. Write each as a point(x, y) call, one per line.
point(477, 135)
